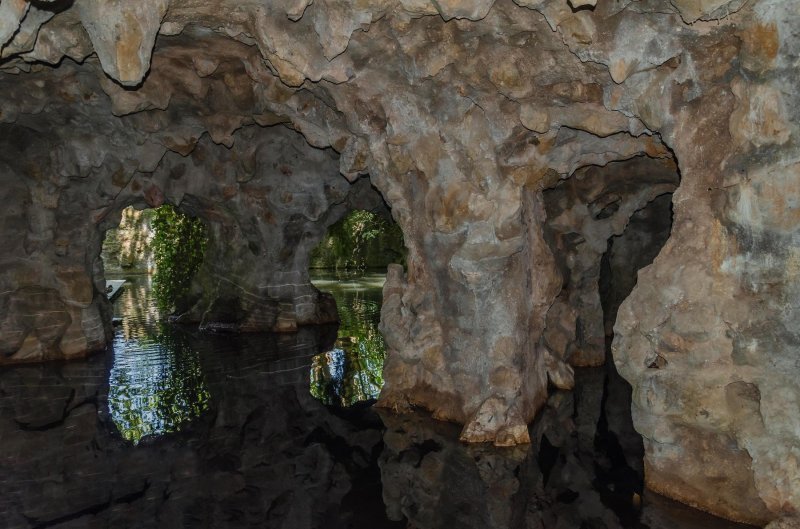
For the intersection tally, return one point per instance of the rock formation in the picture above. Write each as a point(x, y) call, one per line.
point(466, 116)
point(128, 248)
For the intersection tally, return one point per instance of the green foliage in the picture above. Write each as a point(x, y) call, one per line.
point(360, 240)
point(179, 242)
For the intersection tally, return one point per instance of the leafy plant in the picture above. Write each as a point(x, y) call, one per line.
point(179, 242)
point(360, 240)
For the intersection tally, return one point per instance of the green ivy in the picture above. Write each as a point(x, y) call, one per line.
point(179, 242)
point(360, 240)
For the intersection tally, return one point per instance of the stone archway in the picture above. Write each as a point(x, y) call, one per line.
point(262, 227)
point(462, 126)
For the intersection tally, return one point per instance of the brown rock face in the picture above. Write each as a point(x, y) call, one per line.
point(511, 142)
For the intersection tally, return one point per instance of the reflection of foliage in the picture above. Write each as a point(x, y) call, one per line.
point(156, 384)
point(358, 241)
point(179, 242)
point(353, 370)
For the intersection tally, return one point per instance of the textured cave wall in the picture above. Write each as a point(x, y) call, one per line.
point(584, 212)
point(48, 307)
point(462, 125)
point(267, 204)
point(708, 337)
point(254, 276)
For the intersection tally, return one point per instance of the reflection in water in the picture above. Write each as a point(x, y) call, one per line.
point(156, 384)
point(267, 454)
point(352, 371)
point(567, 478)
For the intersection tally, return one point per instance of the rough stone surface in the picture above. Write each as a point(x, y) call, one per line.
point(267, 202)
point(462, 126)
point(583, 214)
point(128, 248)
point(784, 523)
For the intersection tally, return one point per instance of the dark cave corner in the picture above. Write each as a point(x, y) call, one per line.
point(620, 472)
point(603, 224)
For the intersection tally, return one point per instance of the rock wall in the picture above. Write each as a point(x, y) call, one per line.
point(595, 206)
point(463, 114)
point(262, 224)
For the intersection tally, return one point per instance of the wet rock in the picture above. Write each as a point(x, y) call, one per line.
point(459, 124)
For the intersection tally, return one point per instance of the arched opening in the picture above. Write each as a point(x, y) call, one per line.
point(350, 262)
point(604, 225)
point(156, 381)
point(186, 292)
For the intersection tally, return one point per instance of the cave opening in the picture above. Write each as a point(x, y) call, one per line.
point(156, 384)
point(604, 225)
point(164, 321)
point(164, 247)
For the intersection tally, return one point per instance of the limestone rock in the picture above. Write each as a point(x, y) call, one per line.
point(522, 148)
point(26, 35)
point(11, 14)
point(123, 35)
point(693, 10)
point(469, 9)
point(759, 115)
point(784, 523)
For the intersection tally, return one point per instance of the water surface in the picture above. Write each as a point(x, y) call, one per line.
point(156, 382)
point(175, 429)
point(352, 370)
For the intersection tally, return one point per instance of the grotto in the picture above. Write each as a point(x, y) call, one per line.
point(599, 205)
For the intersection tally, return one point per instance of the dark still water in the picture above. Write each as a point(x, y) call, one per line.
point(174, 429)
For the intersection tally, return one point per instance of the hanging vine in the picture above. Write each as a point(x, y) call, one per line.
point(179, 243)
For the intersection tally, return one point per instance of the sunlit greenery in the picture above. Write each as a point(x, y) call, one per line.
point(360, 240)
point(353, 370)
point(179, 242)
point(126, 249)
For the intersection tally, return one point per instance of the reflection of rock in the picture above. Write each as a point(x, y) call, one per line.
point(435, 481)
point(266, 454)
point(574, 474)
point(462, 125)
